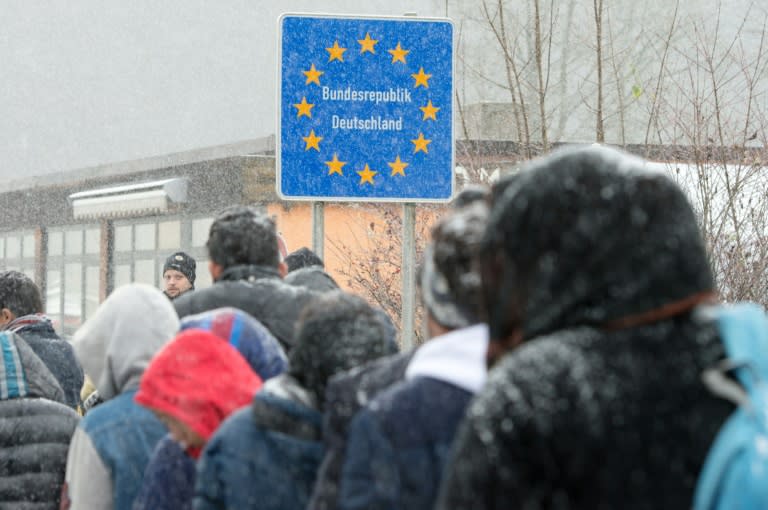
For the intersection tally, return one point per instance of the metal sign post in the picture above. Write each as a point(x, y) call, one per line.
point(318, 228)
point(408, 313)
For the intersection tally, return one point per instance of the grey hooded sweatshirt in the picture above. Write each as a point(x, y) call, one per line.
point(112, 445)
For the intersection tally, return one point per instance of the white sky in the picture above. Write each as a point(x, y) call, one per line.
point(89, 82)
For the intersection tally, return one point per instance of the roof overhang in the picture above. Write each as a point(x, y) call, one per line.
point(129, 199)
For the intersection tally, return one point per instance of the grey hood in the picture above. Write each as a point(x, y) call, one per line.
point(117, 343)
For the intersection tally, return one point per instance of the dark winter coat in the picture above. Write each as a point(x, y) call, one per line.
point(312, 277)
point(599, 263)
point(264, 456)
point(57, 354)
point(399, 442)
point(169, 480)
point(397, 449)
point(256, 290)
point(35, 429)
point(346, 394)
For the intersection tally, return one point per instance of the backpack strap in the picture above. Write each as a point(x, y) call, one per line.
point(741, 444)
point(743, 330)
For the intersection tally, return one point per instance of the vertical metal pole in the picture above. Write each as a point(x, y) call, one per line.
point(408, 270)
point(318, 228)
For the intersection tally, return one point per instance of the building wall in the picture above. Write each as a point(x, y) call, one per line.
point(354, 233)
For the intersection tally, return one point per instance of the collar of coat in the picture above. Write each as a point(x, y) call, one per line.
point(284, 406)
point(26, 321)
point(457, 357)
point(249, 273)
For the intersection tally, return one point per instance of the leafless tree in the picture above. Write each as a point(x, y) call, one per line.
point(371, 265)
point(709, 111)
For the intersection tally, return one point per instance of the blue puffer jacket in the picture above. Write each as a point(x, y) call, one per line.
point(264, 456)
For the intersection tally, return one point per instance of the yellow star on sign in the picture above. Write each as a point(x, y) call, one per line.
point(313, 75)
point(398, 167)
point(398, 54)
point(420, 144)
point(430, 112)
point(421, 78)
point(336, 52)
point(367, 44)
point(303, 108)
point(312, 141)
point(366, 175)
point(334, 166)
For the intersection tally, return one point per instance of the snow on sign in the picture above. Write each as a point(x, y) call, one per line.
point(365, 109)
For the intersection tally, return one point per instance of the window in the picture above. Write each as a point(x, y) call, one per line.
point(141, 247)
point(17, 251)
point(72, 276)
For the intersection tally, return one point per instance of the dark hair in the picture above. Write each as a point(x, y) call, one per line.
point(303, 257)
point(470, 194)
point(242, 235)
point(336, 332)
point(19, 294)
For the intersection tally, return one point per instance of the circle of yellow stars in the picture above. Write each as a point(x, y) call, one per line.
point(313, 75)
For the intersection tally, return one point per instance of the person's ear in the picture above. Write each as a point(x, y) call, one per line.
point(215, 270)
point(6, 316)
point(282, 268)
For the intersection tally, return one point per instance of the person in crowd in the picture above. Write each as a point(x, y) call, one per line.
point(89, 396)
point(399, 442)
point(247, 273)
point(350, 391)
point(112, 445)
point(255, 342)
point(312, 277)
point(593, 269)
point(178, 274)
point(170, 476)
point(303, 257)
point(36, 425)
point(21, 312)
point(184, 386)
point(267, 454)
point(472, 193)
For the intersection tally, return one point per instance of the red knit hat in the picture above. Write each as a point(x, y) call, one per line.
point(198, 379)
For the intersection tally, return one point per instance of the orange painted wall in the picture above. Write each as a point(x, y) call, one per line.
point(347, 222)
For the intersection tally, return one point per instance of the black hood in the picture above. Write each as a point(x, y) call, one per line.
point(312, 277)
point(589, 237)
point(337, 332)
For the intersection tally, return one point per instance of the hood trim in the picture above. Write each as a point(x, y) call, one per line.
point(457, 358)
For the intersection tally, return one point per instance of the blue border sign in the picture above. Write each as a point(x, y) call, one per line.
point(365, 109)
